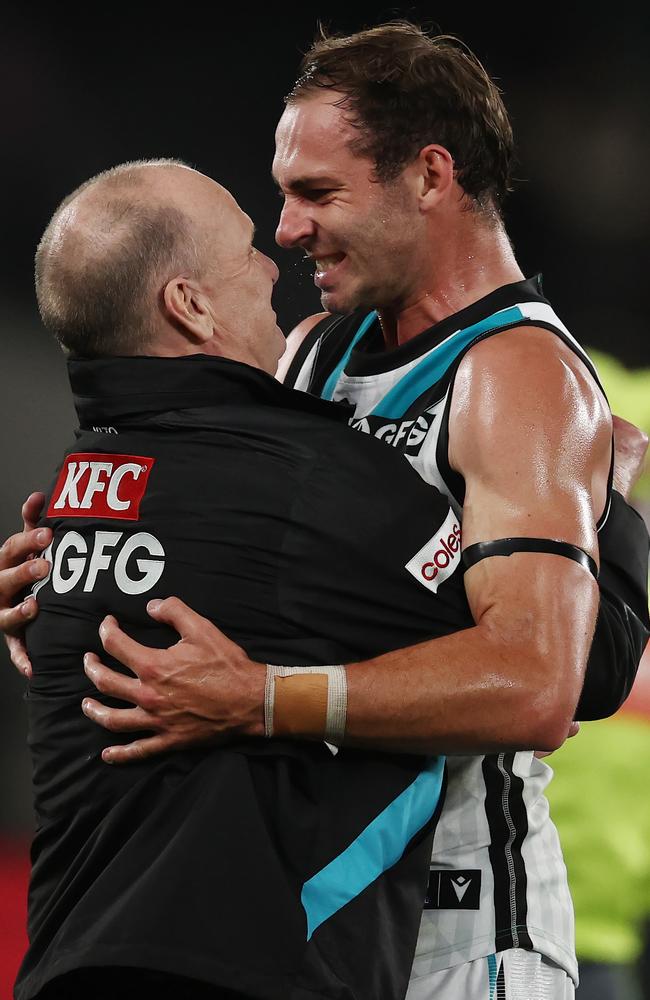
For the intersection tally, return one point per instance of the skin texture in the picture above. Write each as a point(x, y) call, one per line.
point(534, 455)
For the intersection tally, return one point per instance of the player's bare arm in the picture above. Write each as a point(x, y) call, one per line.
point(533, 455)
point(533, 461)
point(294, 340)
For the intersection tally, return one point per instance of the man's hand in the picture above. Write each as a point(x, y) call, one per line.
point(574, 729)
point(202, 690)
point(20, 568)
point(630, 447)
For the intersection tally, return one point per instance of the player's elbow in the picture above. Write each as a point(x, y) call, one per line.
point(547, 713)
point(547, 730)
point(543, 658)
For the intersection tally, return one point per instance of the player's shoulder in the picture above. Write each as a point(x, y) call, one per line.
point(533, 360)
point(295, 340)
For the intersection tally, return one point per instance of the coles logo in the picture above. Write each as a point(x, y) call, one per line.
point(437, 560)
point(106, 486)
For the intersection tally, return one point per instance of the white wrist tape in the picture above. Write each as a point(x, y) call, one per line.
point(306, 701)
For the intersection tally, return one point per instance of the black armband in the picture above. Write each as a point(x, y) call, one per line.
point(506, 546)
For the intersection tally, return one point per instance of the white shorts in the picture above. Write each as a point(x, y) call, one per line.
point(509, 975)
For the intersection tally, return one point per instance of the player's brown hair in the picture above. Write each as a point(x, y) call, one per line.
point(404, 90)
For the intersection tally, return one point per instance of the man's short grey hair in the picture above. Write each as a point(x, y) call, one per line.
point(99, 279)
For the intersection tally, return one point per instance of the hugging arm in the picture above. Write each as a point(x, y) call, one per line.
point(512, 681)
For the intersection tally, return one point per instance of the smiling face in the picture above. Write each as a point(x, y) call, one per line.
point(363, 235)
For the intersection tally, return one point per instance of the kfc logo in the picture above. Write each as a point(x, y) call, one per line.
point(437, 560)
point(105, 486)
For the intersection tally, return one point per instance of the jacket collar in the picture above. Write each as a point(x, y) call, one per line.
point(123, 387)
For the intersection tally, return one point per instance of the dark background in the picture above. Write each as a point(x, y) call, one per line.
point(86, 88)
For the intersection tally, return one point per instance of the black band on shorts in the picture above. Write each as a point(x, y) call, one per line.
point(506, 546)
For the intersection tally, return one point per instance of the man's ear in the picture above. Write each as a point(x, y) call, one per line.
point(187, 308)
point(435, 175)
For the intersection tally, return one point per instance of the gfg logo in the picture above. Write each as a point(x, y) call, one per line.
point(406, 435)
point(135, 564)
point(437, 560)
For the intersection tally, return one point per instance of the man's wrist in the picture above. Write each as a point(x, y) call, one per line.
point(306, 702)
point(252, 713)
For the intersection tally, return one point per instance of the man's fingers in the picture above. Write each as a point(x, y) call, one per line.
point(138, 750)
point(31, 510)
point(14, 580)
point(125, 649)
point(628, 434)
point(18, 654)
point(110, 682)
point(13, 620)
point(174, 612)
point(574, 729)
point(20, 546)
point(117, 720)
point(630, 447)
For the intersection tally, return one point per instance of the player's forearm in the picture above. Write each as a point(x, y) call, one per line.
point(510, 682)
point(466, 693)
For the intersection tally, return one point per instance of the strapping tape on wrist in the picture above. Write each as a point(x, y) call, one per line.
point(306, 701)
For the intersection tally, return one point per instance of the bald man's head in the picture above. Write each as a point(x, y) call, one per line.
point(107, 251)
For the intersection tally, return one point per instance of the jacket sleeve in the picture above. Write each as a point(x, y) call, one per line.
point(623, 624)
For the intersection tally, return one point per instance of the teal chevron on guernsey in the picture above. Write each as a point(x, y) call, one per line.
point(375, 850)
point(434, 365)
point(330, 385)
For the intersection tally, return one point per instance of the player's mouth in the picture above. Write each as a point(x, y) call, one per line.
point(328, 268)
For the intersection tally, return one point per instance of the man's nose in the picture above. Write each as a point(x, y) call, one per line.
point(295, 226)
point(270, 266)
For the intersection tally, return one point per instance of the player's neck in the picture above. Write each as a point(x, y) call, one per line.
point(471, 266)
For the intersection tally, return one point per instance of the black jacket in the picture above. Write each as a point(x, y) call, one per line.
point(245, 866)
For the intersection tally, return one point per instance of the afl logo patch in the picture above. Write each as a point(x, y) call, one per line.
point(101, 485)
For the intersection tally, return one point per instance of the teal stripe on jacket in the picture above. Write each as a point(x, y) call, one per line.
point(375, 850)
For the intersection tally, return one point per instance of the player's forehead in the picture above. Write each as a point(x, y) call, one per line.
point(312, 140)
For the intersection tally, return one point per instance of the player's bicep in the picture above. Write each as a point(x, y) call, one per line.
point(529, 433)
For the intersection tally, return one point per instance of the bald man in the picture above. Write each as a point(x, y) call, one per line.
point(267, 868)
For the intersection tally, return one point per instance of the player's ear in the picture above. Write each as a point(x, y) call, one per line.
point(435, 175)
point(186, 307)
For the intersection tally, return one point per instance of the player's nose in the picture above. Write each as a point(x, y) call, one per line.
point(295, 227)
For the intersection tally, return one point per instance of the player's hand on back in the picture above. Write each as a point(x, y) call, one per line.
point(630, 448)
point(204, 689)
point(20, 568)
